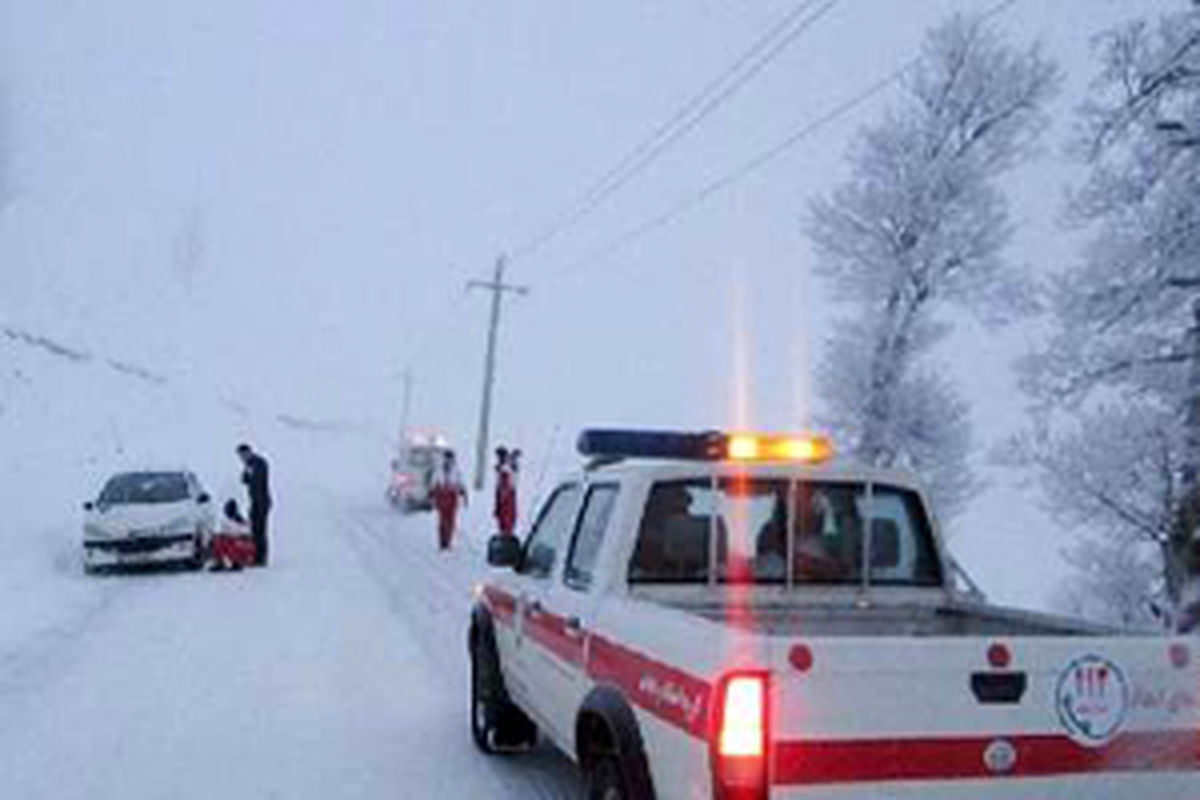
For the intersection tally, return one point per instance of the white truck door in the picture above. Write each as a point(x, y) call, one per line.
point(542, 556)
point(561, 660)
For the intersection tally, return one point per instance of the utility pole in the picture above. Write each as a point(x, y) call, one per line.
point(497, 287)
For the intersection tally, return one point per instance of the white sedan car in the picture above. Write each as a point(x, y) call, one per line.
point(147, 517)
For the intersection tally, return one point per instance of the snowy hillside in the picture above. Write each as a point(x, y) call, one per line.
point(68, 419)
point(353, 637)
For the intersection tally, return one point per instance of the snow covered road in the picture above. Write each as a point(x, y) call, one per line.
point(340, 671)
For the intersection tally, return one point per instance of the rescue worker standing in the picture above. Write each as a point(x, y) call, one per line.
point(448, 490)
point(256, 476)
point(505, 508)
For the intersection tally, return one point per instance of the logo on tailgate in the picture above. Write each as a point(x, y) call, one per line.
point(1092, 700)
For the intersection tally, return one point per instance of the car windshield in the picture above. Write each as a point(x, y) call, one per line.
point(144, 487)
point(783, 532)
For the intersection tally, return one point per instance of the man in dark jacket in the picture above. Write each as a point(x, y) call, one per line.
point(256, 477)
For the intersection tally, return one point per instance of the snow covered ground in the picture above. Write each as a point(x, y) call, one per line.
point(340, 671)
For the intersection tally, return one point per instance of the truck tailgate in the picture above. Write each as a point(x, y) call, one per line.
point(1025, 717)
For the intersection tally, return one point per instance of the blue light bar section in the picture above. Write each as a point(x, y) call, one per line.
point(616, 443)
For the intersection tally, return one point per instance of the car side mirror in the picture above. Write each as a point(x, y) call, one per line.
point(503, 551)
point(89, 506)
point(203, 498)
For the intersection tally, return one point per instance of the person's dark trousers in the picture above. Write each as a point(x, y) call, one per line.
point(258, 530)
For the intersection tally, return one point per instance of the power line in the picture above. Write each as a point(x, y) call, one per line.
point(699, 107)
point(752, 165)
point(723, 182)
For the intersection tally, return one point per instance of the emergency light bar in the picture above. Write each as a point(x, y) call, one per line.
point(703, 446)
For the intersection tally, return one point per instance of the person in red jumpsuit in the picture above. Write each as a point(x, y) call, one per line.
point(232, 547)
point(505, 510)
point(447, 489)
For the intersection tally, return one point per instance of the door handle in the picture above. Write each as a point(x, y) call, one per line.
point(573, 627)
point(533, 607)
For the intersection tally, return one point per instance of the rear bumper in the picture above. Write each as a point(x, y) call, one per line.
point(1103, 786)
point(139, 550)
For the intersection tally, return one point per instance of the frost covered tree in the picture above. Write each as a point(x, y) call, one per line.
point(922, 224)
point(1124, 333)
point(1111, 475)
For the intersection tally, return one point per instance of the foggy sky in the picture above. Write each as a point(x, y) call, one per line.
point(280, 202)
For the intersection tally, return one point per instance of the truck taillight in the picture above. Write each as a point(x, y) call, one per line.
point(742, 723)
point(740, 738)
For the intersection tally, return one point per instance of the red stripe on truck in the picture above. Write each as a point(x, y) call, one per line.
point(798, 763)
point(670, 694)
point(502, 604)
point(550, 631)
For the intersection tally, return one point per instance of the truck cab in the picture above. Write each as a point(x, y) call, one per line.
point(714, 615)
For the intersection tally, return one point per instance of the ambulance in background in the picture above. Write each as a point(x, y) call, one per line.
point(412, 471)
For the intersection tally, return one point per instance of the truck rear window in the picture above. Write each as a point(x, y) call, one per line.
point(772, 531)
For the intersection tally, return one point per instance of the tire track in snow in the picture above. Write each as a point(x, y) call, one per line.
point(37, 660)
point(74, 606)
point(430, 592)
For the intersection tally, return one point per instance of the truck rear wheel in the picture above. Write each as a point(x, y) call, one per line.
point(497, 726)
point(605, 781)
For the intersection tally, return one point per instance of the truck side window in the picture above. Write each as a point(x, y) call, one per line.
point(902, 549)
point(541, 548)
point(589, 535)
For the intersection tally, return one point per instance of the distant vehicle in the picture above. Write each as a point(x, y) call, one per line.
point(728, 616)
point(412, 472)
point(147, 517)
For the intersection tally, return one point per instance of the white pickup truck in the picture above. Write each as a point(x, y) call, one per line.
point(726, 616)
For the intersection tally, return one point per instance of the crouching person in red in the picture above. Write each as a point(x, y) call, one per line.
point(232, 546)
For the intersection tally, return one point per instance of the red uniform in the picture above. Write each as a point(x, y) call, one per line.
point(505, 510)
point(447, 490)
point(233, 547)
point(232, 550)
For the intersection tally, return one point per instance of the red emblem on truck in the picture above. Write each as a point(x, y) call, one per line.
point(1092, 700)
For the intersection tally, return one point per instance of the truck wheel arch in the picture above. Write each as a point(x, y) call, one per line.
point(606, 725)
